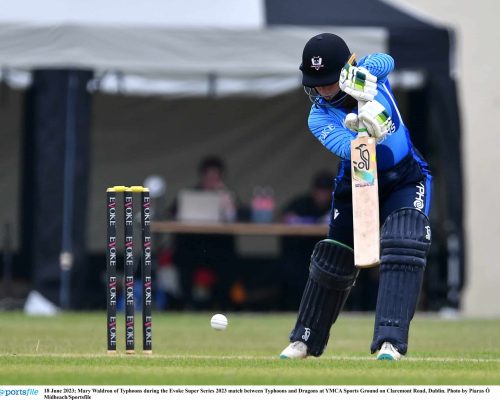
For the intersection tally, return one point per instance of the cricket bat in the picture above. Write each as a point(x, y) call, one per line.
point(365, 207)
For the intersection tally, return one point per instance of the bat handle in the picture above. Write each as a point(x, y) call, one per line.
point(361, 127)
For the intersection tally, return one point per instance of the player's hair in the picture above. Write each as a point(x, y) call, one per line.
point(211, 162)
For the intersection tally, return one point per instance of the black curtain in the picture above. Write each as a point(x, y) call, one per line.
point(55, 165)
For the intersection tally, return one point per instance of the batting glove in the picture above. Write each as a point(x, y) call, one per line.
point(358, 83)
point(351, 122)
point(377, 120)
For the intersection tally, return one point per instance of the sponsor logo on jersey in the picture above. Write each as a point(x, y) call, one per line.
point(325, 132)
point(419, 202)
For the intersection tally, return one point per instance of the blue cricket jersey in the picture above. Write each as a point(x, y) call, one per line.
point(326, 122)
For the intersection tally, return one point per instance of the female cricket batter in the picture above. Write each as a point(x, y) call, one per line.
point(334, 88)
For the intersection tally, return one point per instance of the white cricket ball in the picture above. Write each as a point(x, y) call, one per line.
point(219, 322)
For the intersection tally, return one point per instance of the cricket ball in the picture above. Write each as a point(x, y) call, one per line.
point(219, 322)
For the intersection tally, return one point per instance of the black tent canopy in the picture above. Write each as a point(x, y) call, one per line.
point(414, 42)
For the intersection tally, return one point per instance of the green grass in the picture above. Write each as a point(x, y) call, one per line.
point(71, 349)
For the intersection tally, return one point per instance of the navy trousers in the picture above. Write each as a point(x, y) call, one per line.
point(407, 184)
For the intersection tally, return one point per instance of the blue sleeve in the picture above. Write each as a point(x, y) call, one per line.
point(379, 64)
point(327, 125)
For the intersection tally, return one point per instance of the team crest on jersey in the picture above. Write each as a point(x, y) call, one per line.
point(317, 63)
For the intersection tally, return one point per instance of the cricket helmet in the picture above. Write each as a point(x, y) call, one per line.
point(323, 57)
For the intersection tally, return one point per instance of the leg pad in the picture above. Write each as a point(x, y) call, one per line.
point(405, 243)
point(331, 277)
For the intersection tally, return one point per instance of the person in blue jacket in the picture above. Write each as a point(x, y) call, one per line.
point(335, 87)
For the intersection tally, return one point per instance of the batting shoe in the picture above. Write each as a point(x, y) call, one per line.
point(295, 350)
point(388, 352)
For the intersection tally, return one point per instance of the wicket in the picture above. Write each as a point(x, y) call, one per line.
point(128, 268)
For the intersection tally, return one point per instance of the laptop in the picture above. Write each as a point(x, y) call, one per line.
point(199, 206)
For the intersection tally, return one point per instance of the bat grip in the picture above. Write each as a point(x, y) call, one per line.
point(361, 127)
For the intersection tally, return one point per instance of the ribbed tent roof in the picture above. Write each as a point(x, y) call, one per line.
point(234, 46)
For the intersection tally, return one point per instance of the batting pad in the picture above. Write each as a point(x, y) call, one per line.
point(405, 243)
point(331, 277)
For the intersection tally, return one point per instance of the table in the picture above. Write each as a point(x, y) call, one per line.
point(240, 228)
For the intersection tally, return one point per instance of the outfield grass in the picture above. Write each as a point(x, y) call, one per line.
point(71, 349)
